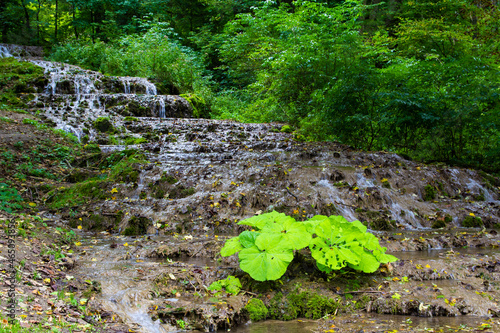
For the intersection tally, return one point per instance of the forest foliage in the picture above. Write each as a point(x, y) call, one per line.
point(413, 77)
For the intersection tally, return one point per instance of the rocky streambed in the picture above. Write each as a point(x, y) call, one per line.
point(157, 192)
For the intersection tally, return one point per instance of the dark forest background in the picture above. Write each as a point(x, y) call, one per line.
point(419, 78)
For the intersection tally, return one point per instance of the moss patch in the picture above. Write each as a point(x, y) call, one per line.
point(137, 226)
point(472, 222)
point(77, 194)
point(19, 78)
point(128, 118)
point(200, 107)
point(429, 192)
point(103, 125)
point(135, 109)
point(301, 304)
point(256, 309)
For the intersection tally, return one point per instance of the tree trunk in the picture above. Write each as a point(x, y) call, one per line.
point(26, 16)
point(5, 28)
point(74, 19)
point(56, 17)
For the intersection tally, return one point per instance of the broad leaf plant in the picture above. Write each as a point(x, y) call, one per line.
point(266, 251)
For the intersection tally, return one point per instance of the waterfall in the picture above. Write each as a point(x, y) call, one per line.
point(161, 112)
point(126, 86)
point(150, 87)
point(4, 52)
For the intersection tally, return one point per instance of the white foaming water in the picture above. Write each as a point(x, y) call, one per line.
point(161, 112)
point(363, 182)
point(477, 188)
point(150, 87)
point(71, 129)
point(83, 85)
point(334, 195)
point(396, 210)
point(4, 52)
point(126, 86)
point(125, 304)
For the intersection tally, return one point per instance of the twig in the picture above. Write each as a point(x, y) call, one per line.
point(288, 190)
point(199, 249)
point(343, 204)
point(362, 292)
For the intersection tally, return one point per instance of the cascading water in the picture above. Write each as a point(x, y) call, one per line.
point(161, 111)
point(4, 52)
point(334, 195)
point(74, 98)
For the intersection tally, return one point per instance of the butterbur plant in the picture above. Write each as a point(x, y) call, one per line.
point(231, 285)
point(267, 250)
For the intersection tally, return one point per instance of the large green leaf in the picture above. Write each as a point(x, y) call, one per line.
point(328, 231)
point(370, 242)
point(260, 221)
point(313, 222)
point(359, 225)
point(382, 257)
point(349, 256)
point(268, 259)
point(294, 233)
point(318, 248)
point(232, 246)
point(247, 238)
point(368, 263)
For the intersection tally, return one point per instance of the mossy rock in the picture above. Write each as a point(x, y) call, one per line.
point(180, 192)
point(286, 129)
point(297, 304)
point(128, 118)
point(77, 194)
point(382, 224)
point(98, 222)
point(103, 125)
point(19, 77)
point(442, 222)
point(472, 222)
point(168, 178)
point(200, 107)
point(429, 192)
point(126, 165)
point(79, 175)
point(136, 109)
point(281, 308)
point(438, 224)
point(159, 194)
point(132, 140)
point(256, 309)
point(137, 226)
